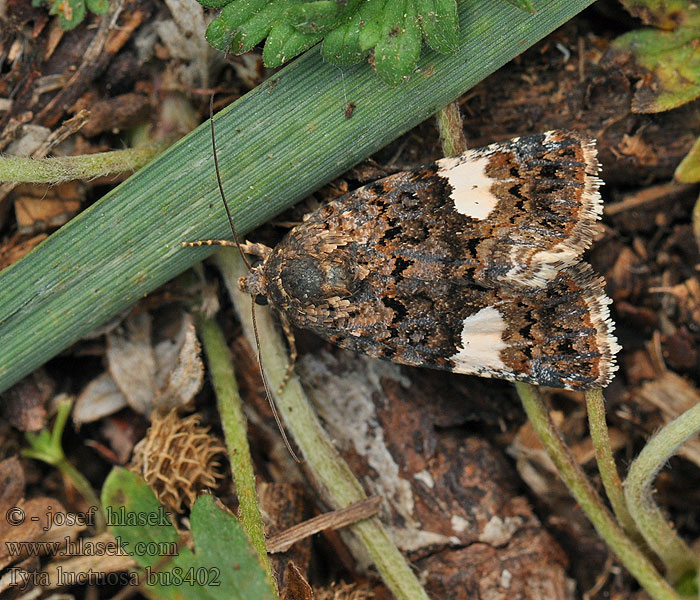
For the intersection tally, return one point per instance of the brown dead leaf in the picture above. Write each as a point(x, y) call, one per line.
point(131, 361)
point(38, 208)
point(11, 483)
point(101, 397)
point(297, 587)
point(25, 402)
point(34, 520)
point(180, 371)
point(16, 247)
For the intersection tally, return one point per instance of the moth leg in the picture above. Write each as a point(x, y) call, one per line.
point(289, 334)
point(208, 243)
point(255, 249)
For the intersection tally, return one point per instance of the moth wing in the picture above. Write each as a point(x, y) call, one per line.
point(536, 200)
point(559, 336)
point(512, 213)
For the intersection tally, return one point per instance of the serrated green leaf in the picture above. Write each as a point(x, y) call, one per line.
point(224, 566)
point(665, 14)
point(372, 22)
point(322, 16)
point(99, 7)
point(669, 62)
point(218, 35)
point(688, 171)
point(523, 5)
point(439, 24)
point(397, 52)
point(214, 3)
point(342, 45)
point(248, 25)
point(314, 17)
point(284, 42)
point(37, 3)
point(70, 12)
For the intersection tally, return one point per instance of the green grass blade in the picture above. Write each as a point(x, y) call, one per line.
point(276, 144)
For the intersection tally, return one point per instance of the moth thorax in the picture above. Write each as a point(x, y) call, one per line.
point(309, 279)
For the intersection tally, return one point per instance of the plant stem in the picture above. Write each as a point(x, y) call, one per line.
point(234, 424)
point(449, 123)
point(330, 471)
point(595, 407)
point(46, 446)
point(677, 557)
point(57, 169)
point(584, 493)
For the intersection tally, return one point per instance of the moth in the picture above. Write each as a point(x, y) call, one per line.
point(471, 264)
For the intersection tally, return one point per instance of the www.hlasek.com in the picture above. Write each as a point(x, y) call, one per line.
point(86, 547)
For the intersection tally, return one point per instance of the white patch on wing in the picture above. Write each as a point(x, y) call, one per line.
point(471, 186)
point(482, 342)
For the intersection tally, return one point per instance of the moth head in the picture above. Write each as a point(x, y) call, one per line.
point(254, 284)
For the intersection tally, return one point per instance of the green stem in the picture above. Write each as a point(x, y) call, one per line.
point(678, 558)
point(57, 169)
point(234, 424)
point(46, 446)
point(584, 493)
point(451, 131)
point(330, 471)
point(595, 406)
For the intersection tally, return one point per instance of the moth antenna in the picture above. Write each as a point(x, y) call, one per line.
point(275, 413)
point(270, 400)
point(221, 187)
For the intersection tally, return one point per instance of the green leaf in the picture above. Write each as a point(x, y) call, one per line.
point(668, 64)
point(372, 22)
point(70, 12)
point(342, 45)
point(219, 541)
point(284, 42)
point(665, 14)
point(688, 171)
point(214, 3)
point(127, 500)
point(243, 24)
point(99, 7)
point(439, 24)
point(223, 566)
point(314, 17)
point(523, 5)
point(397, 52)
point(321, 16)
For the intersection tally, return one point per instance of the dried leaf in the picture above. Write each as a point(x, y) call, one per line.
point(11, 483)
point(132, 362)
point(100, 398)
point(179, 376)
point(297, 586)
